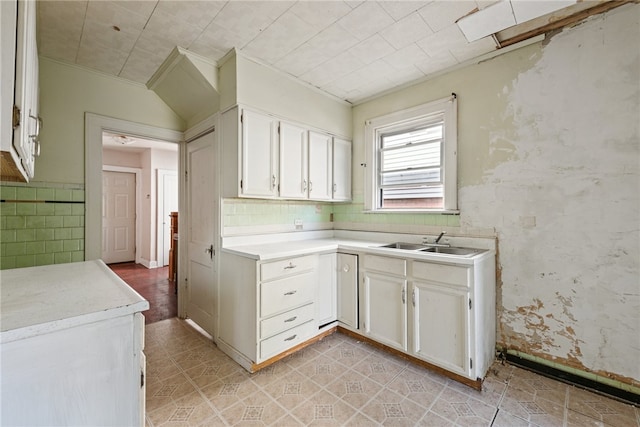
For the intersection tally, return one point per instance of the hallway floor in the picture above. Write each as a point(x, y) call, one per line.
point(154, 286)
point(340, 381)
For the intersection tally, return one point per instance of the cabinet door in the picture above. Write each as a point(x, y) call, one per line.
point(440, 321)
point(327, 289)
point(259, 155)
point(320, 166)
point(347, 266)
point(25, 136)
point(294, 183)
point(341, 169)
point(385, 309)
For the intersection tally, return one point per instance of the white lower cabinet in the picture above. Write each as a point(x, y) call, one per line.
point(443, 314)
point(327, 288)
point(384, 300)
point(266, 308)
point(347, 289)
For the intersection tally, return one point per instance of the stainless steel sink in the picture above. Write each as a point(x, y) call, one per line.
point(452, 251)
point(405, 246)
point(445, 250)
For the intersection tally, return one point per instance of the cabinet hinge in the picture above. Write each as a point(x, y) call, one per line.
point(470, 305)
point(278, 129)
point(241, 184)
point(470, 363)
point(241, 117)
point(15, 120)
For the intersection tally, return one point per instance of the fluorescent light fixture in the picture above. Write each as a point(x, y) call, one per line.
point(505, 14)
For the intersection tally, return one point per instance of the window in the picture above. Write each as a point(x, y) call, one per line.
point(411, 159)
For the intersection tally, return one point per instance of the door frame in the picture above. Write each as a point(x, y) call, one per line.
point(138, 174)
point(160, 174)
point(94, 126)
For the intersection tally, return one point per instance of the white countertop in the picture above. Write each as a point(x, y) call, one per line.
point(289, 248)
point(38, 300)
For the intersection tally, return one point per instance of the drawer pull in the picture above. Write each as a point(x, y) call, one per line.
point(291, 319)
point(292, 337)
point(290, 266)
point(290, 292)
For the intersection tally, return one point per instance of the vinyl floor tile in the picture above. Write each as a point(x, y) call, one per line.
point(340, 381)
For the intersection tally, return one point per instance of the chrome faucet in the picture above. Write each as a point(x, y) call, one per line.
point(436, 242)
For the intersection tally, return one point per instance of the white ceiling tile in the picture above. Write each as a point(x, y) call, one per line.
point(320, 14)
point(406, 56)
point(378, 70)
point(483, 4)
point(156, 43)
point(399, 9)
point(249, 17)
point(332, 69)
point(527, 10)
point(437, 63)
point(323, 46)
point(113, 13)
point(373, 48)
point(488, 21)
point(60, 29)
point(105, 35)
point(165, 25)
point(139, 7)
point(57, 45)
point(441, 14)
point(280, 38)
point(409, 29)
point(448, 38)
point(218, 38)
point(196, 13)
point(101, 58)
point(141, 65)
point(474, 49)
point(365, 20)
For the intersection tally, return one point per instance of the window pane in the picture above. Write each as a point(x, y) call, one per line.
point(411, 157)
point(412, 198)
point(413, 136)
point(414, 178)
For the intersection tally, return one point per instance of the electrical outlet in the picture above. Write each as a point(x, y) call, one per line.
point(298, 223)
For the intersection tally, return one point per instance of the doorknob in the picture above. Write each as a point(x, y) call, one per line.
point(210, 251)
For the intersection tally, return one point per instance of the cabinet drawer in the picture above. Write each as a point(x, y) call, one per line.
point(447, 274)
point(287, 267)
point(287, 320)
point(388, 265)
point(287, 339)
point(285, 294)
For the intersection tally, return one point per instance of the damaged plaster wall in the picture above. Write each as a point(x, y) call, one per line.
point(549, 158)
point(565, 200)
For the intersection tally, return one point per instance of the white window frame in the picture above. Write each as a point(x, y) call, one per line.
point(408, 119)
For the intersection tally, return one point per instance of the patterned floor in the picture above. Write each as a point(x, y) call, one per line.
point(342, 382)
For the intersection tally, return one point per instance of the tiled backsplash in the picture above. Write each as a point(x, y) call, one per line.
point(41, 224)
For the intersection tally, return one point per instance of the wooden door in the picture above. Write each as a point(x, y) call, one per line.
point(118, 216)
point(202, 216)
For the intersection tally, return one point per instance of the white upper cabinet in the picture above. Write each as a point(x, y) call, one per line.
point(320, 166)
point(20, 151)
point(341, 170)
point(278, 159)
point(259, 156)
point(294, 182)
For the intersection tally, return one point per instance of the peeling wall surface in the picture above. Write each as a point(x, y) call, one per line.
point(549, 159)
point(565, 199)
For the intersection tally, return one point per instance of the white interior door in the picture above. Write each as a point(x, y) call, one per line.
point(118, 216)
point(202, 217)
point(167, 203)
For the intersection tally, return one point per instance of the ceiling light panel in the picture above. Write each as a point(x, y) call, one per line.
point(490, 20)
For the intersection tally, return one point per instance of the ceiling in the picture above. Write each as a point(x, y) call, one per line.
point(350, 49)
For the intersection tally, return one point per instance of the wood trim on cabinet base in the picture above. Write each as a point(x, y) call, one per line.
point(10, 171)
point(475, 384)
point(257, 366)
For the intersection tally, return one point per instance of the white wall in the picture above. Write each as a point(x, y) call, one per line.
point(127, 159)
point(549, 158)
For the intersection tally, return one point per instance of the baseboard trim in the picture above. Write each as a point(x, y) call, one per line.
point(573, 379)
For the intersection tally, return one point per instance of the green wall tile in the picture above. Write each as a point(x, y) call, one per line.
point(62, 257)
point(71, 221)
point(62, 208)
point(77, 233)
point(77, 209)
point(17, 248)
point(25, 208)
point(26, 235)
point(25, 261)
point(7, 193)
point(7, 209)
point(62, 233)
point(45, 209)
point(35, 221)
point(7, 262)
point(77, 256)
point(15, 222)
point(53, 246)
point(33, 248)
point(53, 222)
point(44, 259)
point(71, 245)
point(7, 236)
point(77, 195)
point(45, 194)
point(45, 234)
point(63, 195)
point(25, 193)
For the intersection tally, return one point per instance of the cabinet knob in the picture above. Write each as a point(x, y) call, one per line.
point(346, 268)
